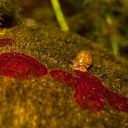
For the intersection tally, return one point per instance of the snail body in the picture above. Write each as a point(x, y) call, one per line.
point(82, 61)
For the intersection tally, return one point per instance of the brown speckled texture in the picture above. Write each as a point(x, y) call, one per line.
point(45, 103)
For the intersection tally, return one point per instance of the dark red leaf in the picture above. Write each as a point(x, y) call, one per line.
point(63, 77)
point(117, 101)
point(6, 42)
point(90, 93)
point(20, 66)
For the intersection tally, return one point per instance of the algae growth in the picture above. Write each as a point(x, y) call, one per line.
point(43, 102)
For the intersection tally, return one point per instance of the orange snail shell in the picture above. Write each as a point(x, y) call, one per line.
point(82, 61)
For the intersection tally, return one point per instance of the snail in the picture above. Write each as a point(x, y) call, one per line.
point(82, 61)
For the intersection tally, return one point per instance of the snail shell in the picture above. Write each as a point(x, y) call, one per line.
point(82, 61)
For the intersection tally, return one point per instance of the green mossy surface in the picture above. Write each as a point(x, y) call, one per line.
point(45, 103)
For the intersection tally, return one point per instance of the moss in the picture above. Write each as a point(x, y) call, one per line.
point(9, 13)
point(45, 103)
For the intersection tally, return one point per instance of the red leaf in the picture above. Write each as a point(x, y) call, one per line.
point(90, 93)
point(63, 77)
point(117, 101)
point(6, 41)
point(20, 66)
